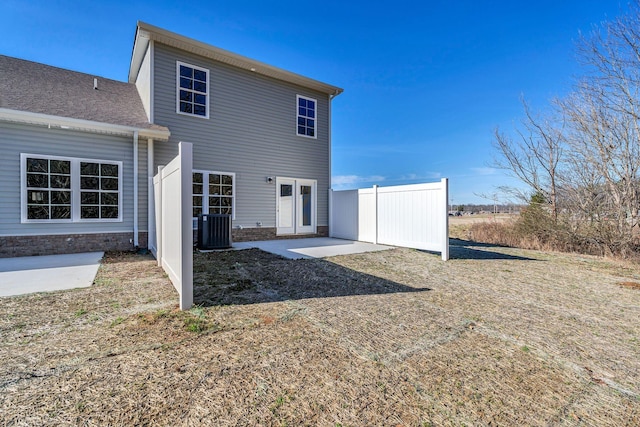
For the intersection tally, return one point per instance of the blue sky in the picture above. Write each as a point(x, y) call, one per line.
point(426, 83)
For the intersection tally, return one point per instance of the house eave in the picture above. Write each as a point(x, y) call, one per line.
point(51, 121)
point(146, 32)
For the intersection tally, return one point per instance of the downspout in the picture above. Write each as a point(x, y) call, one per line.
point(152, 240)
point(135, 189)
point(152, 236)
point(330, 223)
point(151, 219)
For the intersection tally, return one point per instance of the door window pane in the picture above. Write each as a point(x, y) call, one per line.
point(305, 192)
point(286, 190)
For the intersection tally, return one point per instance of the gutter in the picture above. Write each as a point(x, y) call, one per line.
point(17, 116)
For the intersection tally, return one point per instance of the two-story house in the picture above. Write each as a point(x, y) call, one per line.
point(80, 151)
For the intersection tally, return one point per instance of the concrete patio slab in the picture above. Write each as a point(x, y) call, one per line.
point(25, 275)
point(315, 247)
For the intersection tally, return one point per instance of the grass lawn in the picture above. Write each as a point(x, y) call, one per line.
point(495, 336)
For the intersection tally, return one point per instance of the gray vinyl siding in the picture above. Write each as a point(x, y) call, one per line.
point(19, 138)
point(251, 131)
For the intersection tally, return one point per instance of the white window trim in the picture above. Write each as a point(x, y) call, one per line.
point(205, 198)
point(315, 127)
point(208, 94)
point(75, 190)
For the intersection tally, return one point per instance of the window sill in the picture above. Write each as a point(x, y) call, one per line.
point(193, 115)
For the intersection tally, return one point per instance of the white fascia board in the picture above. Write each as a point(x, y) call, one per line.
point(140, 45)
point(17, 116)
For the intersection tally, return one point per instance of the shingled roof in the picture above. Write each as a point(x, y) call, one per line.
point(38, 88)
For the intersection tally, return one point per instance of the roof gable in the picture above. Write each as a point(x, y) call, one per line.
point(146, 32)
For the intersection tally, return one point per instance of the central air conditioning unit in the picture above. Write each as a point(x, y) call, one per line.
point(214, 231)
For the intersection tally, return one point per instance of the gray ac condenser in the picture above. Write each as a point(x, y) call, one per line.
point(214, 231)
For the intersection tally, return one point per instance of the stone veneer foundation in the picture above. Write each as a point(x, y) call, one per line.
point(269, 233)
point(265, 233)
point(54, 244)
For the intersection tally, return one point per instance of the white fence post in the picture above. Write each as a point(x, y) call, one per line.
point(331, 213)
point(157, 191)
point(186, 217)
point(376, 210)
point(445, 212)
point(174, 237)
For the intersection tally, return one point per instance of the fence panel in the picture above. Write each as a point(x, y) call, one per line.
point(367, 215)
point(413, 216)
point(344, 208)
point(174, 234)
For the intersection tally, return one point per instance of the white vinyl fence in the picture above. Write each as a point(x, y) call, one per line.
point(174, 229)
point(413, 216)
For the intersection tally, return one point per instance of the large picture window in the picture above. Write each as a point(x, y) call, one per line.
point(192, 90)
point(306, 116)
point(214, 193)
point(66, 189)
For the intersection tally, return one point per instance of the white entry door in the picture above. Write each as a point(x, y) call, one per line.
point(296, 206)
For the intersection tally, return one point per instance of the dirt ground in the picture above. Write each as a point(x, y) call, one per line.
point(495, 336)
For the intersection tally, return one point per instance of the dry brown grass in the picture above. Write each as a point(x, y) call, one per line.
point(632, 285)
point(536, 230)
point(495, 336)
point(460, 227)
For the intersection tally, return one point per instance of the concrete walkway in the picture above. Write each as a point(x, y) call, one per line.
point(316, 247)
point(25, 275)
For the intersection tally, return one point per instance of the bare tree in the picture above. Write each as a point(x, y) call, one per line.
point(603, 116)
point(605, 149)
point(585, 156)
point(534, 156)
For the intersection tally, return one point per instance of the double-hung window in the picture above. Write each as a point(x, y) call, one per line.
point(68, 189)
point(192, 92)
point(214, 193)
point(306, 116)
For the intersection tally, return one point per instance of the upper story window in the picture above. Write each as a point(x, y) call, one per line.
point(306, 116)
point(67, 189)
point(192, 90)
